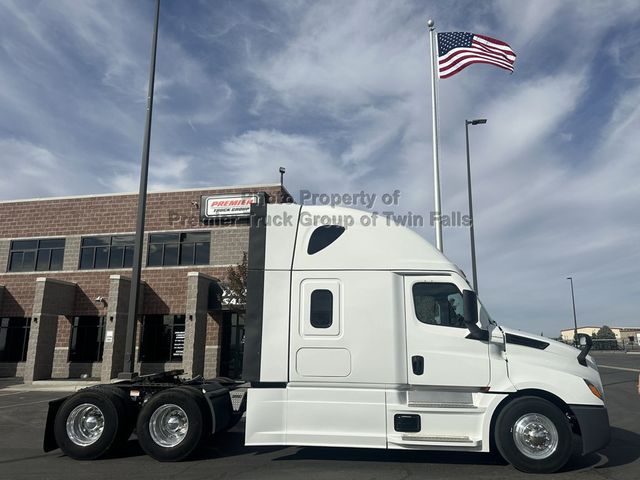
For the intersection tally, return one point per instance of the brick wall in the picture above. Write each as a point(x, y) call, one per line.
point(228, 245)
point(109, 214)
point(165, 290)
point(164, 293)
point(4, 254)
point(212, 345)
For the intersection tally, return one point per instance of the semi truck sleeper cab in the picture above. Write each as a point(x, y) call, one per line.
point(358, 334)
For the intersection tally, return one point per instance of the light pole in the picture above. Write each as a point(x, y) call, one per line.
point(575, 321)
point(130, 339)
point(474, 272)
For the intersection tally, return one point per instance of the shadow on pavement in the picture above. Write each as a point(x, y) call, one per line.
point(131, 448)
point(6, 382)
point(623, 449)
point(397, 456)
point(230, 444)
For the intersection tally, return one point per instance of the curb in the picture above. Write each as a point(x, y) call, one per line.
point(47, 386)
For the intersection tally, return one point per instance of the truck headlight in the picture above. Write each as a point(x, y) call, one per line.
point(594, 389)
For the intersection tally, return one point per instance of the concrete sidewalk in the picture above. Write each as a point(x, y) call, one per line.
point(17, 385)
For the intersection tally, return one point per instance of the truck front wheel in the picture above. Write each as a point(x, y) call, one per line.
point(172, 424)
point(533, 435)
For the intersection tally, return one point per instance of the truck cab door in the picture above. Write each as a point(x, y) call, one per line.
point(439, 349)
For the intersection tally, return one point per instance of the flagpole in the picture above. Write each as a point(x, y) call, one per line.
point(434, 104)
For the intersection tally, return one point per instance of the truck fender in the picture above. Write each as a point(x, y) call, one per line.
point(50, 443)
point(219, 401)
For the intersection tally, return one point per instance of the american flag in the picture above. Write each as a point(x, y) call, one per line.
point(458, 50)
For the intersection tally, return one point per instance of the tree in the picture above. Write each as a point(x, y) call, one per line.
point(606, 339)
point(235, 295)
point(236, 285)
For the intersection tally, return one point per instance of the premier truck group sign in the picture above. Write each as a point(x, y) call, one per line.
point(228, 206)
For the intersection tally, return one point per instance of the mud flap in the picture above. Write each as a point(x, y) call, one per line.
point(50, 443)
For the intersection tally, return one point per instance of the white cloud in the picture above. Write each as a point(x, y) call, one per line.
point(25, 165)
point(255, 156)
point(338, 92)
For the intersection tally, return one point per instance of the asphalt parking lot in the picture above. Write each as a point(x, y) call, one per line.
point(22, 416)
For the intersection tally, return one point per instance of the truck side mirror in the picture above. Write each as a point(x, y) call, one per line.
point(585, 343)
point(470, 303)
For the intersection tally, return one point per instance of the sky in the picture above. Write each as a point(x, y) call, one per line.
point(339, 94)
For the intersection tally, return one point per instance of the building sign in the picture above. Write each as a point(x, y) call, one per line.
point(178, 344)
point(228, 297)
point(228, 206)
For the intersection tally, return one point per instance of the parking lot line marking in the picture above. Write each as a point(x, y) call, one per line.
point(620, 368)
point(23, 404)
point(12, 393)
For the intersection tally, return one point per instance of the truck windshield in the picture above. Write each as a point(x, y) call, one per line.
point(485, 318)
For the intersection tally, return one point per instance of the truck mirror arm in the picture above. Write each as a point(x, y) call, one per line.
point(587, 344)
point(470, 302)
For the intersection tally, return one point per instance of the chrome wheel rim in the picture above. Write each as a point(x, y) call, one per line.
point(168, 425)
point(85, 424)
point(535, 436)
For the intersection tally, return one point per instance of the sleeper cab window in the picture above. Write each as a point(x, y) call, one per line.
point(438, 304)
point(320, 308)
point(321, 315)
point(323, 236)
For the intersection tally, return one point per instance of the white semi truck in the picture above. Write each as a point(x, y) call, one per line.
point(358, 334)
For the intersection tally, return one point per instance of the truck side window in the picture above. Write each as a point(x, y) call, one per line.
point(321, 309)
point(323, 236)
point(438, 304)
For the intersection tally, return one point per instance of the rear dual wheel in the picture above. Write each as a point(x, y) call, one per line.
point(92, 422)
point(127, 411)
point(173, 424)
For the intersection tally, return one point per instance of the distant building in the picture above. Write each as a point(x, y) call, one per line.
point(623, 334)
point(65, 267)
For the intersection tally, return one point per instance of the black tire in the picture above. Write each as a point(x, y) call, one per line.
point(544, 411)
point(203, 403)
point(193, 404)
point(127, 411)
point(106, 439)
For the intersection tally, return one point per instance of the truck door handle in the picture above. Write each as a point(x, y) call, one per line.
point(417, 362)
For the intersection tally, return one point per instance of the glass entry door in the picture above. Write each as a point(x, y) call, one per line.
point(232, 345)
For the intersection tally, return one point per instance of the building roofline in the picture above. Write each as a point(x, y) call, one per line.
point(122, 194)
point(600, 326)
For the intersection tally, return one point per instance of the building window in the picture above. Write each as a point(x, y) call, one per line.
point(438, 304)
point(14, 338)
point(36, 255)
point(107, 252)
point(87, 339)
point(170, 249)
point(162, 338)
point(321, 309)
point(231, 355)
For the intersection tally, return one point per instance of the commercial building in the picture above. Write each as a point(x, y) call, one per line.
point(625, 335)
point(65, 267)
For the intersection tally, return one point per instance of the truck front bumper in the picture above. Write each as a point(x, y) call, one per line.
point(594, 427)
